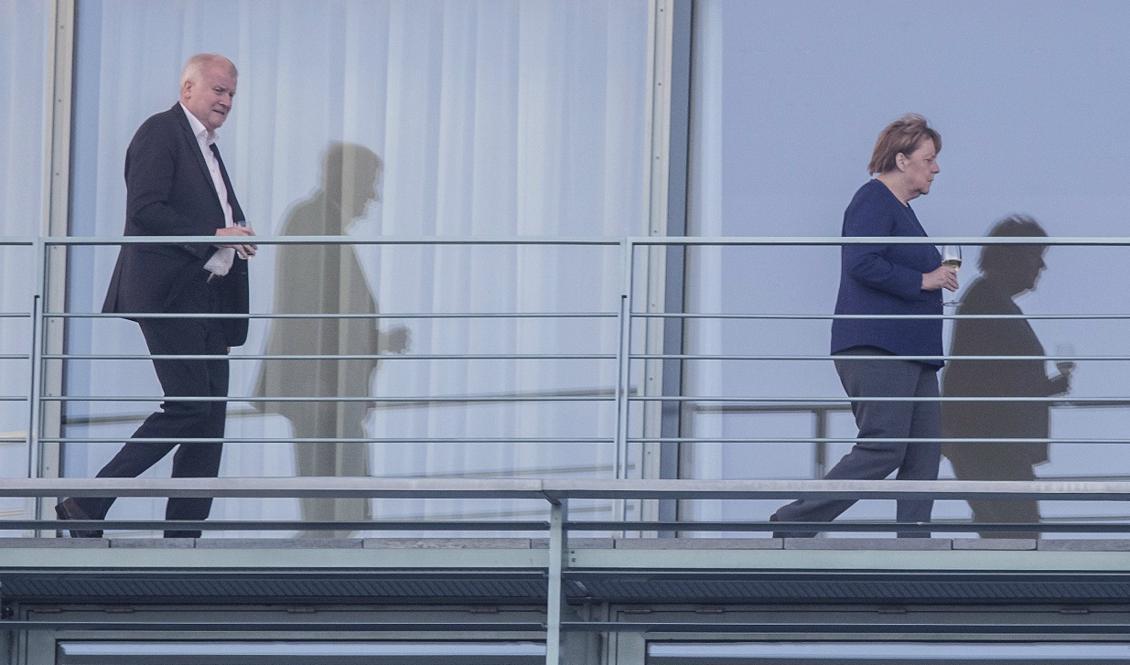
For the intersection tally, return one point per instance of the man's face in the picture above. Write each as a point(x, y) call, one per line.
point(365, 189)
point(210, 96)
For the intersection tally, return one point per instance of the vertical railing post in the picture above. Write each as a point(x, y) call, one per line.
point(623, 373)
point(623, 364)
point(820, 458)
point(555, 594)
point(35, 380)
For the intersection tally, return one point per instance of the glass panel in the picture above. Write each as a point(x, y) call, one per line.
point(704, 653)
point(373, 120)
point(240, 653)
point(788, 101)
point(25, 49)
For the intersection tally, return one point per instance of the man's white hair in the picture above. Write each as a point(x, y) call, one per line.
point(194, 68)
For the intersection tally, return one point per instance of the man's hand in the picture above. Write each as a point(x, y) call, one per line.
point(244, 250)
point(943, 277)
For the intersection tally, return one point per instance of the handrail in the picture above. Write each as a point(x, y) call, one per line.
point(607, 241)
point(554, 490)
point(626, 357)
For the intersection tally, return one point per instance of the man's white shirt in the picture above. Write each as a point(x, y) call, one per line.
point(221, 262)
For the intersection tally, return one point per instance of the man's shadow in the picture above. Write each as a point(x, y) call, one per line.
point(327, 279)
point(1007, 271)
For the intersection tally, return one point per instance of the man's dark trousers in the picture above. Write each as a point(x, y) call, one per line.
point(178, 422)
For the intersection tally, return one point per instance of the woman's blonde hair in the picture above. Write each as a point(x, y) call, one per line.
point(901, 136)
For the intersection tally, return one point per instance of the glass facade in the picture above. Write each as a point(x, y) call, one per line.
point(532, 120)
point(462, 147)
point(25, 67)
point(445, 120)
point(788, 100)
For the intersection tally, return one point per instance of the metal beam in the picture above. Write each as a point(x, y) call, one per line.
point(556, 490)
point(555, 596)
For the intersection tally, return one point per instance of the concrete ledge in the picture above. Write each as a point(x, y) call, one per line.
point(447, 543)
point(884, 544)
point(278, 543)
point(155, 543)
point(90, 543)
point(1085, 545)
point(1016, 544)
point(575, 543)
point(699, 543)
point(910, 545)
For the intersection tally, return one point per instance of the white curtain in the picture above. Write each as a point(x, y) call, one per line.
point(25, 30)
point(490, 119)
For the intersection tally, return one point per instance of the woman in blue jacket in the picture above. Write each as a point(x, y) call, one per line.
point(889, 279)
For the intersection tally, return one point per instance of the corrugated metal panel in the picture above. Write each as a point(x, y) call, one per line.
point(524, 587)
point(407, 588)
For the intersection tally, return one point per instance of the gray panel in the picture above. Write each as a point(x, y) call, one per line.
point(283, 652)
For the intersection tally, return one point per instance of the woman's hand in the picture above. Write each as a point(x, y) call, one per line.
point(942, 277)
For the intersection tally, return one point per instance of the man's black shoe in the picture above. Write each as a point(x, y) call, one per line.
point(790, 534)
point(69, 510)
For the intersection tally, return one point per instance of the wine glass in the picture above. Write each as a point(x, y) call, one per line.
point(951, 256)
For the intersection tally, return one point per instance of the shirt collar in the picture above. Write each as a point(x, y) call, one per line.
point(202, 134)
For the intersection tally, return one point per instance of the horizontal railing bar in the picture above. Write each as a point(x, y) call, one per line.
point(567, 398)
point(577, 525)
point(830, 489)
point(848, 627)
point(828, 439)
point(837, 400)
point(579, 315)
point(333, 240)
point(316, 440)
point(874, 317)
point(330, 315)
point(471, 440)
point(881, 357)
point(352, 356)
point(290, 487)
point(276, 525)
point(801, 407)
point(845, 527)
point(15, 315)
point(329, 625)
point(18, 241)
point(556, 490)
point(569, 439)
point(550, 356)
point(313, 398)
point(800, 241)
point(688, 241)
point(15, 356)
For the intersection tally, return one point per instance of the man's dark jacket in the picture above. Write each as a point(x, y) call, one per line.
point(169, 192)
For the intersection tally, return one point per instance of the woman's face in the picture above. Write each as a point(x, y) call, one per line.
point(919, 168)
point(1029, 265)
point(1018, 268)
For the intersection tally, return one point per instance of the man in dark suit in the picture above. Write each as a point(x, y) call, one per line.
point(176, 185)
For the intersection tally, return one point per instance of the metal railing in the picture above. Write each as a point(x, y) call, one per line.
point(629, 316)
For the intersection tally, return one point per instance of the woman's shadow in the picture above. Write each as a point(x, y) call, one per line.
point(1007, 271)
